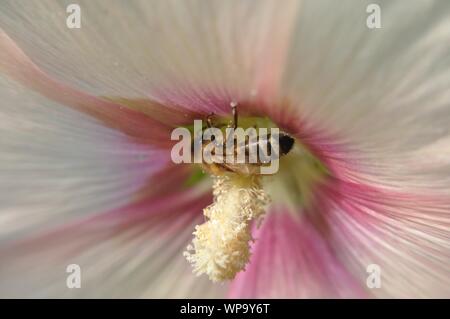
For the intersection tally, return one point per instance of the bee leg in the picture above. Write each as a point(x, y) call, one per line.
point(234, 122)
point(209, 123)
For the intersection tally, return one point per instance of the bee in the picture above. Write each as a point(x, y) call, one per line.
point(284, 144)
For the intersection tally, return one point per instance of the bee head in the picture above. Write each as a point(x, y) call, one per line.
point(286, 143)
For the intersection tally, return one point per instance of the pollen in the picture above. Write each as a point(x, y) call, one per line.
point(221, 246)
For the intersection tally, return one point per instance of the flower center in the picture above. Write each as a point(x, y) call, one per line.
point(221, 245)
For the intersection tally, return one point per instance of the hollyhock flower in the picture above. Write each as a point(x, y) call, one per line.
point(87, 177)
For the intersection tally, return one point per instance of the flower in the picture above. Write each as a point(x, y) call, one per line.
point(85, 128)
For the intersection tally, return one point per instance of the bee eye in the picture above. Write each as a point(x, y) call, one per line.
point(286, 143)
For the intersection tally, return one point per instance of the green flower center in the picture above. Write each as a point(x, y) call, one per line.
point(299, 170)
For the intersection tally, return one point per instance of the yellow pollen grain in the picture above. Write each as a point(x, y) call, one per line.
point(221, 246)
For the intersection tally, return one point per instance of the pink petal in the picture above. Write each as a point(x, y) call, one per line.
point(58, 164)
point(290, 259)
point(138, 48)
point(405, 234)
point(134, 251)
point(16, 64)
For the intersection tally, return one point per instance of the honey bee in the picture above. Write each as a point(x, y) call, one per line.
point(275, 145)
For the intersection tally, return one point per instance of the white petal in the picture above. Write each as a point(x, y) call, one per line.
point(384, 91)
point(57, 164)
point(131, 252)
point(138, 48)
